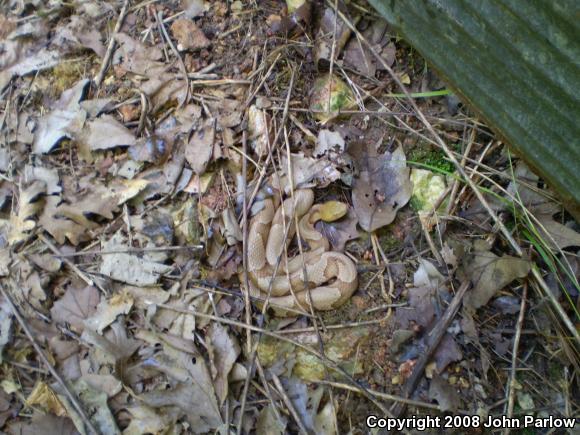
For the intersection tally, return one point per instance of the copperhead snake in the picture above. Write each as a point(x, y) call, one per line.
point(325, 277)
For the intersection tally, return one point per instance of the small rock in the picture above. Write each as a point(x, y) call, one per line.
point(188, 35)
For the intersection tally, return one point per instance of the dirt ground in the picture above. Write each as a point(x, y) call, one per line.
point(140, 140)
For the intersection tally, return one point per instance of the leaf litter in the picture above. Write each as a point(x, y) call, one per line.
point(122, 226)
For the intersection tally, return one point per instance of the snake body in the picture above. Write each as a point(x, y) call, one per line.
point(324, 277)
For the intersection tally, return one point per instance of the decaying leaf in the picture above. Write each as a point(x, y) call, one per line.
point(325, 420)
point(268, 423)
point(188, 35)
point(5, 325)
point(106, 132)
point(101, 416)
point(30, 204)
point(329, 143)
point(489, 274)
point(447, 352)
point(148, 420)
point(259, 130)
point(65, 120)
point(309, 172)
point(340, 232)
point(359, 57)
point(427, 190)
point(76, 306)
point(200, 147)
point(382, 187)
point(444, 394)
point(329, 96)
point(128, 268)
point(108, 310)
point(225, 353)
point(44, 397)
point(193, 8)
point(191, 392)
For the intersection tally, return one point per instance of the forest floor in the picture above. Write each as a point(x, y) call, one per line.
point(139, 140)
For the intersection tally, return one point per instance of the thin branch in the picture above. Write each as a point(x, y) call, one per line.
point(111, 47)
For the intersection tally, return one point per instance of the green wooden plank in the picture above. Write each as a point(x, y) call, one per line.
point(517, 63)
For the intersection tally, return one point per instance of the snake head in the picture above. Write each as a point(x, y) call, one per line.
point(331, 211)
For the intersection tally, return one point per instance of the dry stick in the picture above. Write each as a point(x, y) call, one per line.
point(74, 401)
point(264, 307)
point(436, 335)
point(435, 136)
point(111, 47)
point(304, 271)
point(330, 363)
point(554, 301)
point(70, 264)
point(182, 67)
point(131, 250)
point(512, 380)
point(289, 404)
point(384, 396)
point(246, 292)
point(267, 389)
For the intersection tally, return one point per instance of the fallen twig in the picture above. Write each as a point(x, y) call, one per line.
point(436, 335)
point(111, 47)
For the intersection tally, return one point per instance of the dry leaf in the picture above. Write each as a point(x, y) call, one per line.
point(489, 274)
point(42, 424)
point(129, 268)
point(445, 395)
point(30, 203)
point(193, 395)
point(27, 60)
point(556, 235)
point(382, 187)
point(101, 416)
point(5, 325)
point(309, 172)
point(268, 424)
point(325, 420)
point(108, 310)
point(106, 132)
point(448, 351)
point(76, 306)
point(78, 33)
point(146, 420)
point(225, 353)
point(188, 35)
point(200, 147)
point(329, 96)
point(330, 143)
point(44, 397)
point(259, 126)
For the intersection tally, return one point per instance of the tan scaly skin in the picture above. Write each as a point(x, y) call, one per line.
point(331, 276)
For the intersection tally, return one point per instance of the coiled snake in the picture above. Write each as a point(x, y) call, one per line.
point(326, 278)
